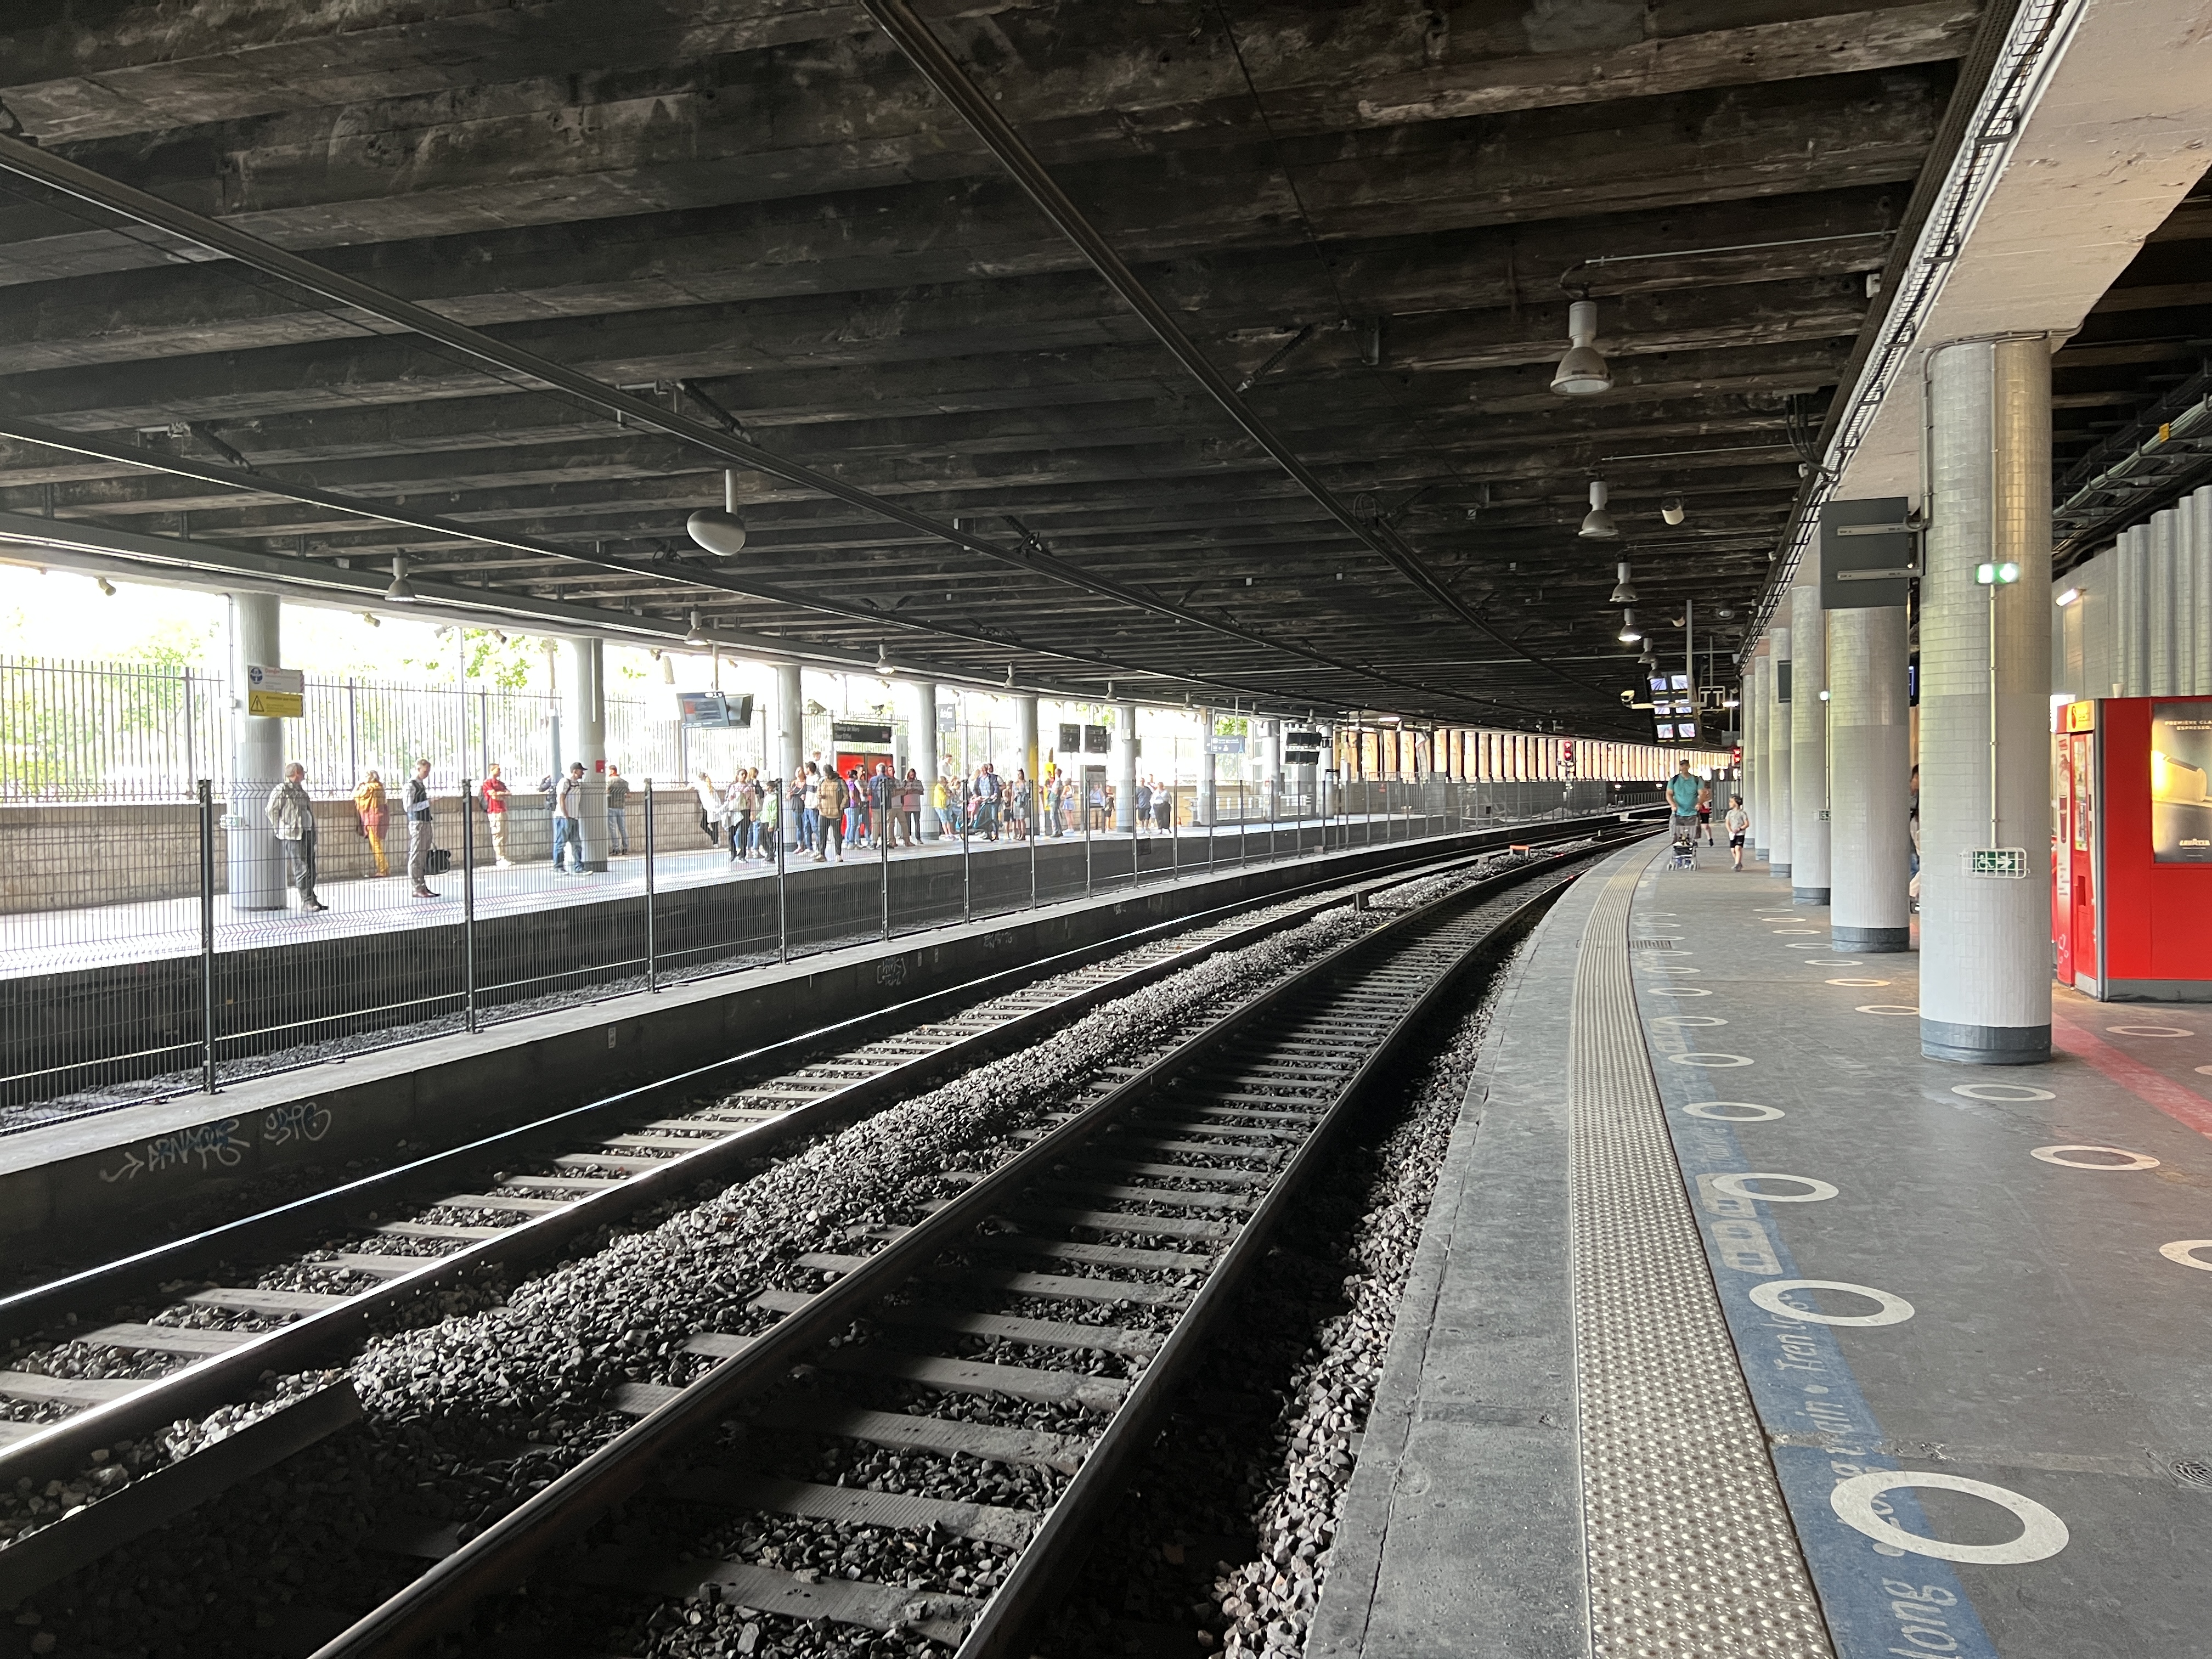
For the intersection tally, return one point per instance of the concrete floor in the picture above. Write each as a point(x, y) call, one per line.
point(97, 936)
point(2032, 1321)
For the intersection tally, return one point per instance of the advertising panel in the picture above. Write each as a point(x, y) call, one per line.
point(2181, 782)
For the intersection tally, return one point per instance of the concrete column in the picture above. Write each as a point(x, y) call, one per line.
point(2199, 506)
point(791, 722)
point(1985, 704)
point(1869, 759)
point(256, 869)
point(2132, 654)
point(1125, 766)
point(1202, 811)
point(1025, 738)
point(2159, 601)
point(584, 718)
point(1754, 749)
point(1808, 742)
point(1780, 783)
point(925, 745)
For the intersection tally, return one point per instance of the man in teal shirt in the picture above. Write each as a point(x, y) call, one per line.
point(1682, 791)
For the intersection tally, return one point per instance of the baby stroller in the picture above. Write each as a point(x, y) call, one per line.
point(1686, 843)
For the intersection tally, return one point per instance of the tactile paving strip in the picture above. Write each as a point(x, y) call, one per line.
point(1690, 1547)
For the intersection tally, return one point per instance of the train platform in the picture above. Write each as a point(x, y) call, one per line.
point(1747, 1329)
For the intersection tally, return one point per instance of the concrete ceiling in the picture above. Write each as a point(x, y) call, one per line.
point(762, 200)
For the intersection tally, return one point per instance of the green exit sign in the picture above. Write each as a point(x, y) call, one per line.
point(2002, 861)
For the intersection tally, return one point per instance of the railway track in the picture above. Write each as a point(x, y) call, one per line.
point(304, 1284)
point(978, 1378)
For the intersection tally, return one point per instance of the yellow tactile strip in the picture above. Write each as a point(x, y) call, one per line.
point(1690, 1547)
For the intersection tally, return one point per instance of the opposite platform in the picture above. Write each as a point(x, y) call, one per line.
point(1965, 1312)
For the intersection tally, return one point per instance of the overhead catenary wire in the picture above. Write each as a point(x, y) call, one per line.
point(928, 55)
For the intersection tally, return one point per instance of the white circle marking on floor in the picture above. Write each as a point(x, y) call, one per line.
point(1678, 991)
point(1688, 1019)
point(1758, 1114)
point(1819, 1191)
point(2008, 1094)
point(1772, 1297)
point(2135, 1160)
point(2043, 1535)
point(1710, 1059)
point(1858, 981)
point(1796, 930)
point(1833, 961)
point(1888, 1008)
point(2150, 1030)
point(2204, 1071)
point(2183, 1251)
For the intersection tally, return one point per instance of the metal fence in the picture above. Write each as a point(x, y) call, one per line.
point(163, 942)
point(124, 732)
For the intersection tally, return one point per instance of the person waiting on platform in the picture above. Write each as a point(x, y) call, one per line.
point(711, 811)
point(617, 812)
point(292, 816)
point(830, 814)
point(568, 817)
point(415, 801)
point(770, 797)
point(1705, 813)
point(369, 806)
point(493, 792)
point(1739, 825)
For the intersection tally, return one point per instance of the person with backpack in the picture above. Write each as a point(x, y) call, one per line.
point(829, 810)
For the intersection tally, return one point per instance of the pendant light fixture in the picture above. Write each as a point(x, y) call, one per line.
point(1581, 372)
point(402, 592)
point(1672, 511)
point(1597, 522)
point(719, 529)
point(1630, 634)
point(697, 635)
point(1623, 591)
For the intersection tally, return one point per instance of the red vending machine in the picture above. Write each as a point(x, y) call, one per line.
point(2131, 853)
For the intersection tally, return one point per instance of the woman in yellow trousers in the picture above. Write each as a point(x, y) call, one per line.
point(368, 801)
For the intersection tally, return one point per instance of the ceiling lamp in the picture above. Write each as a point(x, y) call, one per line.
point(1623, 591)
point(1672, 511)
point(402, 592)
point(1597, 522)
point(884, 666)
point(1650, 659)
point(1629, 631)
point(719, 529)
point(698, 635)
point(1581, 372)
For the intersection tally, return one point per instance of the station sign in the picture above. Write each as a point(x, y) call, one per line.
point(1071, 738)
point(1097, 740)
point(713, 711)
point(869, 733)
point(275, 693)
point(1225, 746)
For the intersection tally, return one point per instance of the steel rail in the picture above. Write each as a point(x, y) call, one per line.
point(28, 161)
point(898, 19)
point(222, 1378)
point(1041, 1570)
point(504, 1554)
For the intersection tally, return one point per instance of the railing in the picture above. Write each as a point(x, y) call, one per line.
point(122, 732)
point(165, 944)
